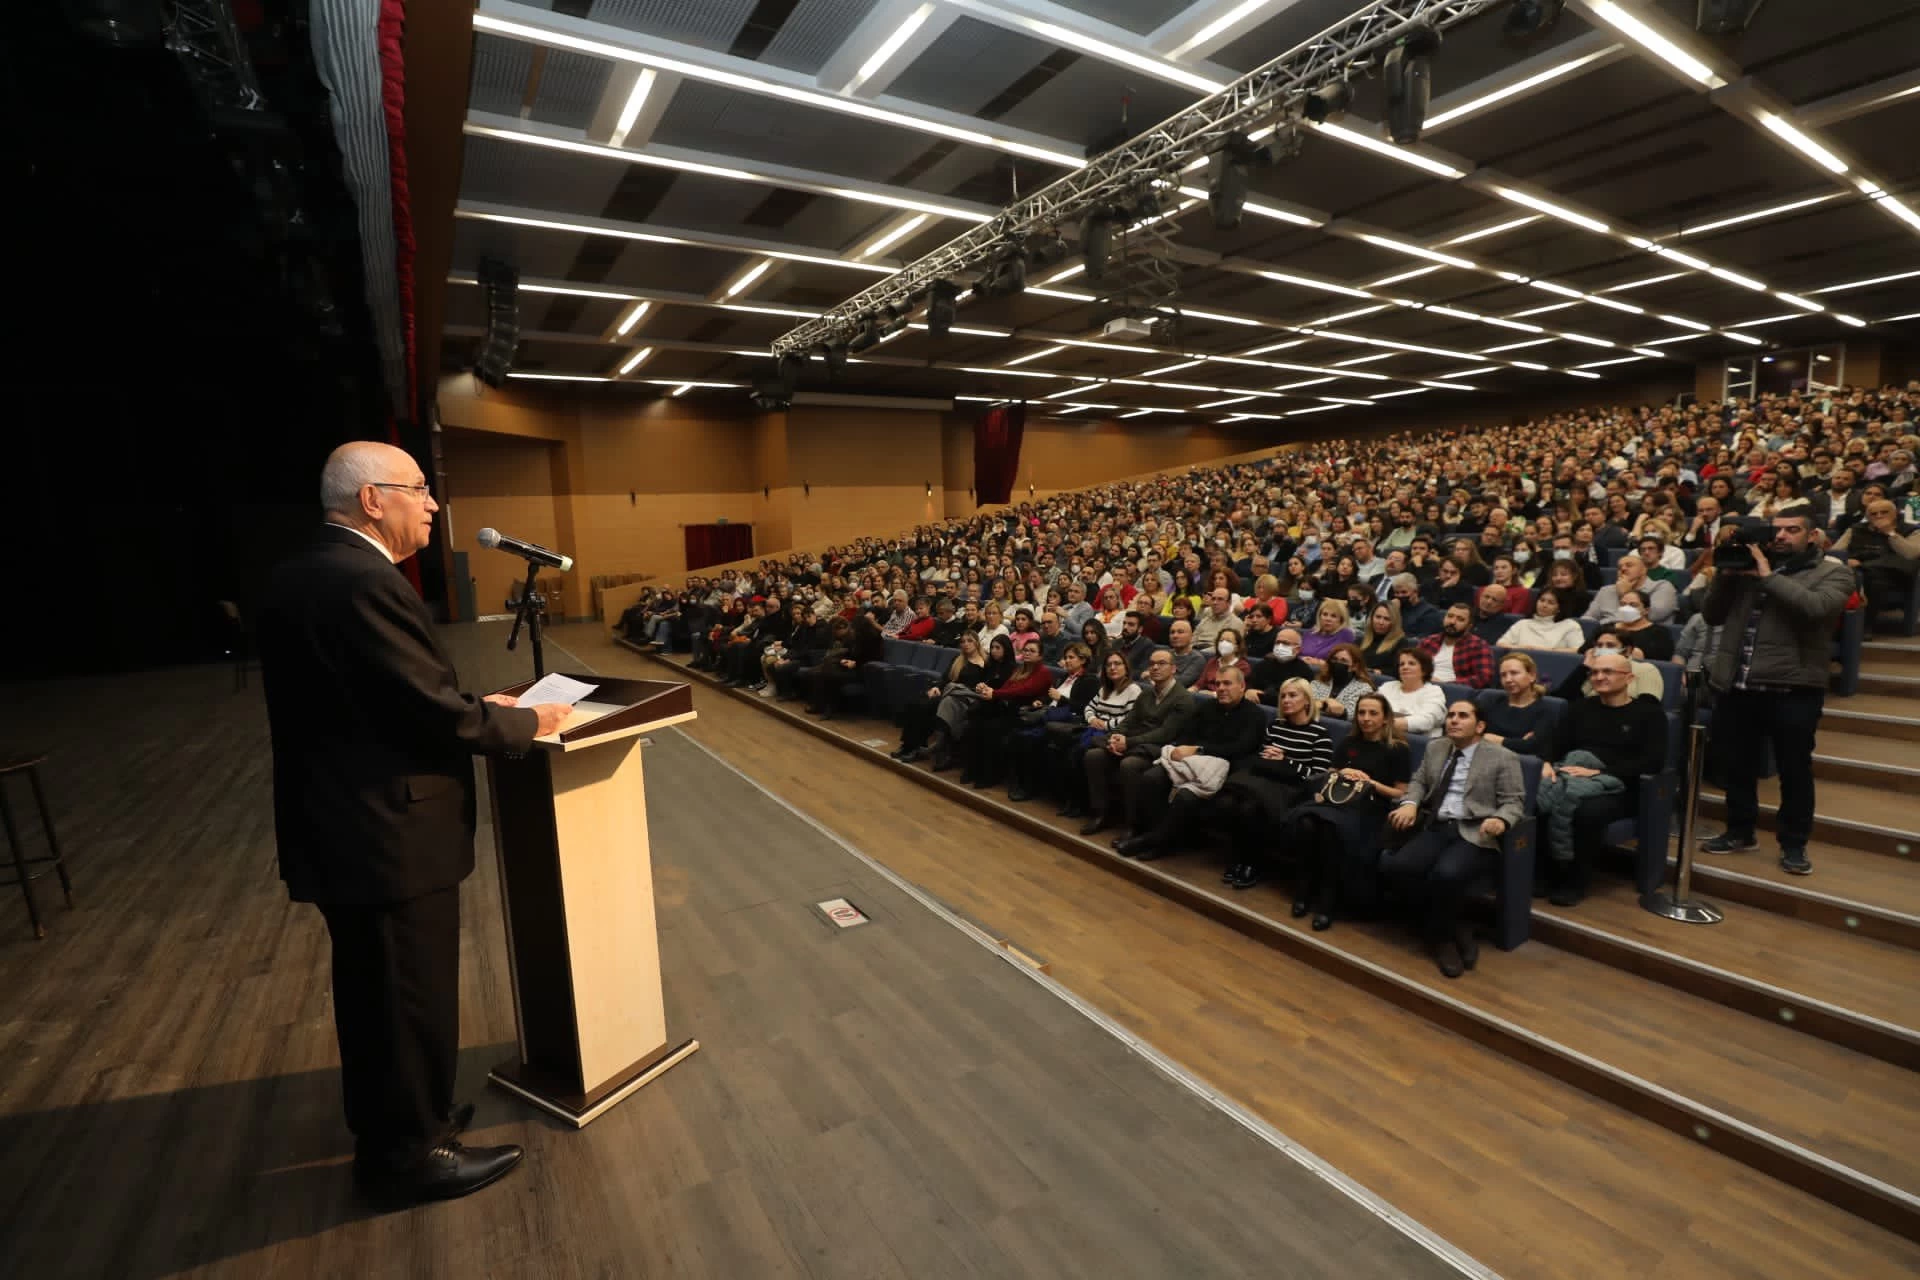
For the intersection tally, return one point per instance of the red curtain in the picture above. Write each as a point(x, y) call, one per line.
point(709, 544)
point(996, 451)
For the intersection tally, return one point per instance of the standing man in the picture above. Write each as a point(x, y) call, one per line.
point(1769, 677)
point(373, 800)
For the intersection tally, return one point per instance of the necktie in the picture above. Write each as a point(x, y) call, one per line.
point(1439, 793)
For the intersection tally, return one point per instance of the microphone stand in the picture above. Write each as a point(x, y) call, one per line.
point(528, 610)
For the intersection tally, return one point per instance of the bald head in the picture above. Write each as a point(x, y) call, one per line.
point(380, 491)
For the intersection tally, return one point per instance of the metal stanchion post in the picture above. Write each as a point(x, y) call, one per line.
point(1679, 904)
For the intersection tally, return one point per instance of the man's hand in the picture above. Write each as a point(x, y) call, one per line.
point(1577, 771)
point(1761, 568)
point(551, 716)
point(1403, 815)
point(1117, 743)
point(1181, 753)
point(1548, 773)
point(847, 663)
point(1493, 828)
point(502, 700)
point(934, 691)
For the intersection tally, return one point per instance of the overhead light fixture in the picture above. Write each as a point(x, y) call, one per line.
point(1553, 210)
point(1602, 364)
point(1494, 230)
point(633, 317)
point(1612, 305)
point(1222, 23)
point(1529, 19)
point(1519, 86)
point(1771, 211)
point(1854, 321)
point(867, 335)
point(1550, 307)
point(1627, 24)
point(1036, 355)
point(1899, 210)
point(552, 39)
point(1794, 299)
point(1836, 288)
point(1643, 282)
point(888, 47)
point(1402, 277)
point(745, 282)
point(1788, 133)
point(682, 389)
point(1685, 323)
point(1096, 242)
point(1734, 277)
point(942, 302)
point(1407, 71)
point(635, 360)
point(1749, 339)
point(561, 377)
point(631, 111)
point(894, 236)
point(1329, 102)
point(1324, 286)
point(1381, 147)
point(650, 237)
point(1417, 251)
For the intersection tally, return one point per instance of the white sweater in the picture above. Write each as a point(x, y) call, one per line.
point(1425, 708)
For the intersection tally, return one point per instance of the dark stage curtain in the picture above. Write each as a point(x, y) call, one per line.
point(709, 544)
point(996, 451)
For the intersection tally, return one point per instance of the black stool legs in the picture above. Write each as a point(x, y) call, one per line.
point(20, 859)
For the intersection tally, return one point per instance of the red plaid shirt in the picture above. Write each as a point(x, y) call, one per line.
point(1473, 663)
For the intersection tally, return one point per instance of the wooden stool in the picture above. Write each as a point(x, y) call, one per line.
point(30, 765)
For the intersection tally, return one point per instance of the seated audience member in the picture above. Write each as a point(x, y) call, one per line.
point(836, 672)
point(662, 612)
point(1659, 596)
point(1382, 639)
point(1603, 746)
point(1098, 642)
point(947, 624)
point(1110, 610)
point(1491, 617)
point(1886, 551)
point(1023, 628)
point(1218, 614)
point(1297, 752)
point(1260, 634)
point(1329, 629)
point(1418, 619)
point(1133, 642)
point(1188, 662)
point(1459, 656)
point(1519, 717)
point(1654, 553)
point(941, 713)
point(1547, 628)
point(921, 628)
point(806, 648)
point(993, 718)
point(993, 622)
point(1344, 678)
point(1266, 594)
point(1418, 704)
point(1282, 663)
point(1158, 716)
point(1695, 647)
point(1337, 833)
point(1030, 750)
point(1074, 616)
point(1115, 696)
point(774, 652)
point(1054, 640)
point(1508, 575)
point(740, 660)
point(1566, 579)
point(1459, 804)
point(1226, 656)
point(899, 618)
point(1450, 586)
point(1646, 641)
point(1578, 683)
point(1172, 793)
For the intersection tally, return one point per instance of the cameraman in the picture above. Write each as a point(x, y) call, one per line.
point(1769, 675)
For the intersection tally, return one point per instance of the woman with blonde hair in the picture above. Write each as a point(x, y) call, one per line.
point(1518, 717)
point(1297, 753)
point(1329, 629)
point(1383, 638)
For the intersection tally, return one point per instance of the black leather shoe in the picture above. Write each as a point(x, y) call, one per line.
point(1300, 908)
point(1094, 825)
point(1071, 811)
point(1134, 846)
point(1447, 956)
point(1322, 922)
point(1469, 947)
point(446, 1172)
point(1017, 793)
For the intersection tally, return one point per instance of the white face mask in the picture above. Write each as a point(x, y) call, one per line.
point(1629, 613)
point(1283, 652)
point(1522, 556)
point(1226, 648)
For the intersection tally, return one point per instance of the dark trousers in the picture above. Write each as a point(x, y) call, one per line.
point(1104, 769)
point(396, 1008)
point(1744, 723)
point(1435, 869)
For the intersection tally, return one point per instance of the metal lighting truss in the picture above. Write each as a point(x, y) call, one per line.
point(1265, 96)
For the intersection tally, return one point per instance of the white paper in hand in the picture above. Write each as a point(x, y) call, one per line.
point(556, 688)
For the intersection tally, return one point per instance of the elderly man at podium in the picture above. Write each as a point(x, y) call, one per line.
point(374, 813)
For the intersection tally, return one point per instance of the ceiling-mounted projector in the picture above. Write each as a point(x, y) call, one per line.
point(1128, 329)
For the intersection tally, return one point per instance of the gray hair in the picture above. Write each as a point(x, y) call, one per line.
point(1406, 582)
point(349, 469)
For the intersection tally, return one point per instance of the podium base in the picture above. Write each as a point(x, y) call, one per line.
point(578, 1109)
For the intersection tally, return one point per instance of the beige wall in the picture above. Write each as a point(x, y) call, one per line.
point(505, 483)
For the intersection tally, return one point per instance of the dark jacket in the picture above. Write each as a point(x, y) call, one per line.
point(1232, 733)
point(1155, 720)
point(1800, 602)
point(373, 791)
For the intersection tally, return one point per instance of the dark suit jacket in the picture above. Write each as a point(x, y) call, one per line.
point(373, 791)
point(1851, 511)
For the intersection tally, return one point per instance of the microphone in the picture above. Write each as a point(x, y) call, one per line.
point(525, 550)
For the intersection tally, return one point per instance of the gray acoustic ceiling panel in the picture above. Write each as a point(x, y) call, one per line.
point(719, 120)
point(500, 68)
point(1138, 16)
point(813, 32)
point(969, 66)
point(536, 177)
point(570, 88)
point(710, 24)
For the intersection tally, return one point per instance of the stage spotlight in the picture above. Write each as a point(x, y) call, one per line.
point(1046, 249)
point(893, 320)
point(1003, 277)
point(1096, 242)
point(866, 336)
point(771, 393)
point(1408, 73)
point(1330, 101)
point(836, 358)
point(942, 302)
point(789, 373)
point(1527, 20)
point(1724, 17)
point(1226, 189)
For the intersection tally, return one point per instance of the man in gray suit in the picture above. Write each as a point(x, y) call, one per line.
point(1460, 803)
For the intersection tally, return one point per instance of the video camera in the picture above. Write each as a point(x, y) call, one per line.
point(1738, 538)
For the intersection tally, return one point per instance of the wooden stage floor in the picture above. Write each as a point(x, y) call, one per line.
point(899, 1099)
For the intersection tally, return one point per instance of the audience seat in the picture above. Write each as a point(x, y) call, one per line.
point(1849, 640)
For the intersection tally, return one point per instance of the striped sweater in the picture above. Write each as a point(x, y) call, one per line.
point(1308, 747)
point(1108, 708)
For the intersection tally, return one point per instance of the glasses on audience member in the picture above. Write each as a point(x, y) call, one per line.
point(417, 490)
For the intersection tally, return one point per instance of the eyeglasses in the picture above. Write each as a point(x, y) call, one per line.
point(417, 490)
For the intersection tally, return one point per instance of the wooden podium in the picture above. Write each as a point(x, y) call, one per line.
point(576, 885)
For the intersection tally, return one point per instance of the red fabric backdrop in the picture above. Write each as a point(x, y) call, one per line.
point(996, 451)
point(717, 543)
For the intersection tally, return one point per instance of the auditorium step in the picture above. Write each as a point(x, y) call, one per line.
point(1876, 819)
point(1894, 656)
point(1851, 890)
point(1845, 754)
point(1897, 684)
point(1850, 990)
